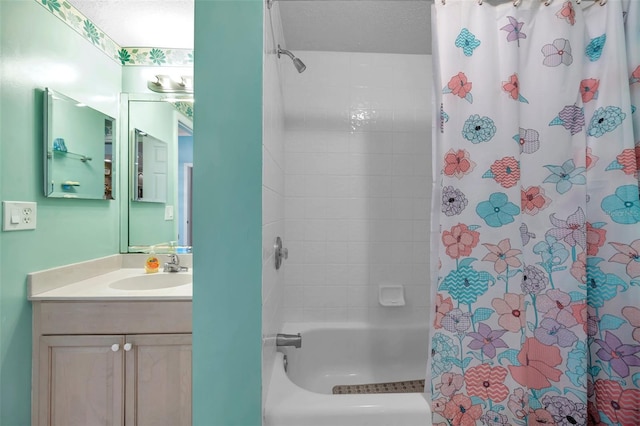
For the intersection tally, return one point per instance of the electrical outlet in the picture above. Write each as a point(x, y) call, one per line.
point(18, 215)
point(168, 213)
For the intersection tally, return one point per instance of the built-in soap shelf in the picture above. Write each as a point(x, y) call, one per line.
point(391, 295)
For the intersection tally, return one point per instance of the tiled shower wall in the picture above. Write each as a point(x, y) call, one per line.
point(272, 190)
point(357, 185)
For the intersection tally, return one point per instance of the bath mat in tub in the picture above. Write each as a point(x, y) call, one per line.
point(408, 386)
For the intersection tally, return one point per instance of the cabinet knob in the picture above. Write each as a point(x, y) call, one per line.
point(127, 347)
point(115, 347)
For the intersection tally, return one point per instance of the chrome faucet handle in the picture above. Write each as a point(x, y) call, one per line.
point(174, 259)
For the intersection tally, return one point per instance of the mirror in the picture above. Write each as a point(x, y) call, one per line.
point(150, 168)
point(78, 147)
point(160, 158)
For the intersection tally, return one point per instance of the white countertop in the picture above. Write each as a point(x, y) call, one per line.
point(91, 281)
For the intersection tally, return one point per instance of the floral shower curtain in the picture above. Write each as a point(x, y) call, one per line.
point(537, 213)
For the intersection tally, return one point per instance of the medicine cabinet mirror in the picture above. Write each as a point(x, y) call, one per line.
point(160, 159)
point(78, 147)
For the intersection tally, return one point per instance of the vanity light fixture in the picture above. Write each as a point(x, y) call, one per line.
point(167, 84)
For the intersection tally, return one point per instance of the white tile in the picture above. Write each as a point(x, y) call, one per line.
point(294, 186)
point(421, 229)
point(294, 274)
point(338, 164)
point(379, 208)
point(293, 297)
point(315, 208)
point(338, 186)
point(315, 186)
point(358, 253)
point(338, 230)
point(403, 208)
point(294, 163)
point(338, 275)
point(313, 314)
point(359, 231)
point(358, 274)
point(296, 252)
point(421, 252)
point(314, 230)
point(294, 230)
point(403, 165)
point(337, 208)
point(403, 230)
point(402, 253)
point(339, 314)
point(358, 296)
point(380, 186)
point(358, 314)
point(337, 253)
point(338, 142)
point(381, 230)
point(315, 275)
point(292, 315)
point(315, 164)
point(315, 252)
point(294, 207)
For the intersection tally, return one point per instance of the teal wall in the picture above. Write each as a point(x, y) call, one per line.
point(38, 50)
point(227, 216)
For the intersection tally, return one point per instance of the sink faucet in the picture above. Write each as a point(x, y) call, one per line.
point(173, 265)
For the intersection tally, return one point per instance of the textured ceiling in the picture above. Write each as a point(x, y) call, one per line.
point(377, 26)
point(142, 23)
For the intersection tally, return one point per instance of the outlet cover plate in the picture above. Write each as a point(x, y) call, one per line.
point(18, 215)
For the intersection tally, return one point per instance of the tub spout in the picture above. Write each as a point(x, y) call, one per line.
point(289, 340)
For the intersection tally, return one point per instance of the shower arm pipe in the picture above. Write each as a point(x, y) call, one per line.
point(286, 52)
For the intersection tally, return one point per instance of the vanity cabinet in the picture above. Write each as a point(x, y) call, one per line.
point(138, 373)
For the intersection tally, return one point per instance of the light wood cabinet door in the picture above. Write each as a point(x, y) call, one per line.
point(158, 380)
point(81, 381)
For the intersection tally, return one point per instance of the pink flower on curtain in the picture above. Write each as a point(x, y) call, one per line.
point(459, 86)
point(579, 268)
point(512, 87)
point(461, 412)
point(635, 75)
point(518, 404)
point(506, 171)
point(589, 89)
point(533, 200)
point(541, 417)
point(450, 383)
point(502, 255)
point(579, 311)
point(632, 315)
point(487, 382)
point(629, 159)
point(628, 255)
point(511, 311)
point(556, 304)
point(556, 53)
point(460, 240)
point(457, 163)
point(591, 159)
point(620, 406)
point(596, 237)
point(442, 307)
point(567, 13)
point(537, 365)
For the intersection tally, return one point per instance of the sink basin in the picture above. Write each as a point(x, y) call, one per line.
point(152, 281)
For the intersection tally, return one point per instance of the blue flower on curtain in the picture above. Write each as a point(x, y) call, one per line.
point(514, 29)
point(478, 129)
point(604, 120)
point(442, 350)
point(556, 53)
point(552, 252)
point(498, 210)
point(623, 206)
point(565, 176)
point(467, 41)
point(595, 47)
point(577, 365)
point(465, 284)
point(600, 286)
point(571, 118)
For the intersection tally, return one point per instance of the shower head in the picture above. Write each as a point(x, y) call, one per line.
point(300, 66)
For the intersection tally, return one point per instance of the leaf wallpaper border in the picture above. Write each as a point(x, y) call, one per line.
point(125, 56)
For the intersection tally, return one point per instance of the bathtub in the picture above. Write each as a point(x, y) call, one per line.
point(347, 354)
